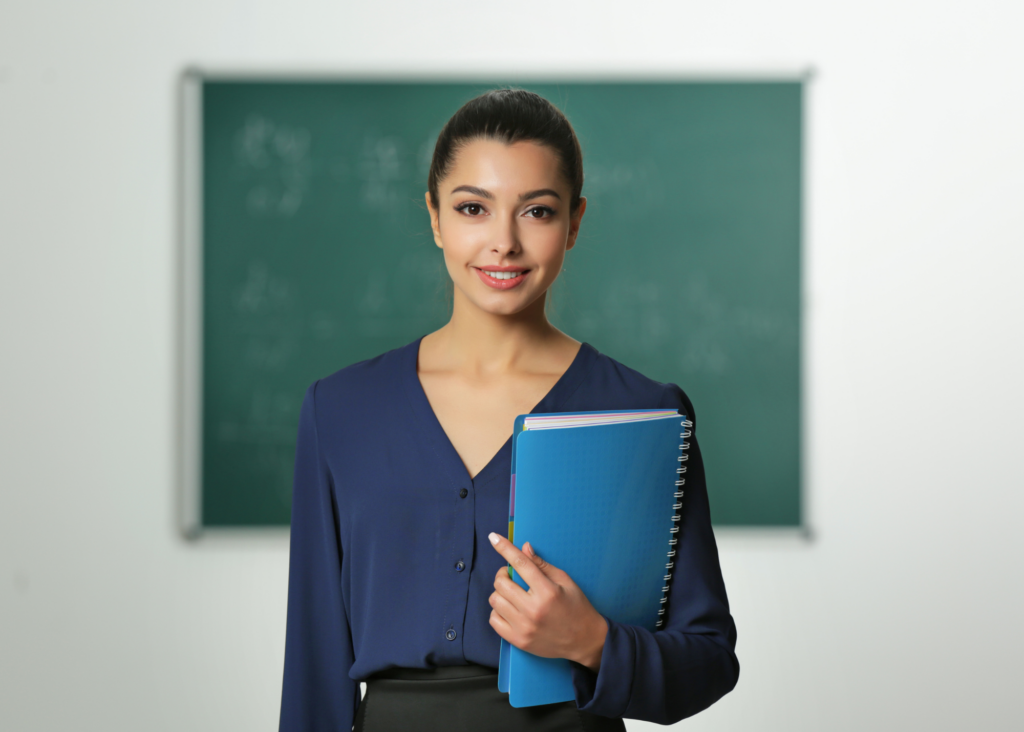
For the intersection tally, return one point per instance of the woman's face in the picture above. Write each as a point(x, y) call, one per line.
point(503, 223)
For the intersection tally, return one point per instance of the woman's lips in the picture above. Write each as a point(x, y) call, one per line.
point(501, 284)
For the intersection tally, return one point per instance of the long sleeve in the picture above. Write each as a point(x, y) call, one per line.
point(318, 693)
point(690, 662)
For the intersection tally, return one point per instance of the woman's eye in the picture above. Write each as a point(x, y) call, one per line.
point(473, 209)
point(539, 212)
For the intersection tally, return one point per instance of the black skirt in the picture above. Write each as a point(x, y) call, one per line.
point(462, 699)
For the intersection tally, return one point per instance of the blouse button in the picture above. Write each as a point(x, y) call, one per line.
point(460, 566)
point(450, 634)
point(463, 493)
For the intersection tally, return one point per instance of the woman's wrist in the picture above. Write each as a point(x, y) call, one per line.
point(590, 655)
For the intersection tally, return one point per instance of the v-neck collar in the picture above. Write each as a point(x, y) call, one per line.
point(556, 397)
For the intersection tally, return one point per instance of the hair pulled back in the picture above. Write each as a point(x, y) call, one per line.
point(510, 115)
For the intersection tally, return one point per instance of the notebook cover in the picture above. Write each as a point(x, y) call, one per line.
point(517, 427)
point(596, 502)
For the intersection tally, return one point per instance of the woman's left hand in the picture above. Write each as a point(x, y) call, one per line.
point(554, 619)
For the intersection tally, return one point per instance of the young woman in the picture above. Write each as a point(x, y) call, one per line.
point(398, 557)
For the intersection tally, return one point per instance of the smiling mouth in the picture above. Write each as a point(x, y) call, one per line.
point(503, 275)
point(502, 280)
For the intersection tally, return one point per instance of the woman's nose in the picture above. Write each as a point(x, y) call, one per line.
point(506, 237)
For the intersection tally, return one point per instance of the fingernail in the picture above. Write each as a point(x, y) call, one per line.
point(493, 537)
point(527, 548)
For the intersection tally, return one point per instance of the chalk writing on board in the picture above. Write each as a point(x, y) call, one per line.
point(711, 334)
point(638, 311)
point(268, 354)
point(635, 186)
point(608, 177)
point(275, 160)
point(268, 419)
point(381, 170)
point(717, 326)
point(263, 306)
point(703, 356)
point(262, 292)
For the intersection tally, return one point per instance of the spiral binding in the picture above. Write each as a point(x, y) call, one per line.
point(687, 426)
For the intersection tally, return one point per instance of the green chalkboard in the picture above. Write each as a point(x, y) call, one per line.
point(312, 250)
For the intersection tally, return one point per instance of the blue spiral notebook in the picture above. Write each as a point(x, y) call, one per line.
point(597, 494)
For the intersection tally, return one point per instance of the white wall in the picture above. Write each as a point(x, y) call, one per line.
point(904, 614)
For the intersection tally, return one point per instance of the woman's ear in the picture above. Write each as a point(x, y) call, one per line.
point(574, 224)
point(435, 222)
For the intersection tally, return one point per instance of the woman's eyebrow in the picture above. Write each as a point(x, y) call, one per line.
point(538, 193)
point(475, 191)
point(484, 193)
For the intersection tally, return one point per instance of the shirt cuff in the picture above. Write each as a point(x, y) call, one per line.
point(607, 692)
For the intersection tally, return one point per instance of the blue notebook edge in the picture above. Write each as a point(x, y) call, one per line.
point(539, 680)
point(504, 653)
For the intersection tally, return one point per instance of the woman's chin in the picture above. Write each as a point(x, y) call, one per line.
point(502, 308)
point(505, 303)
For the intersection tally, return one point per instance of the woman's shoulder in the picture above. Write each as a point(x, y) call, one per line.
point(367, 381)
point(614, 377)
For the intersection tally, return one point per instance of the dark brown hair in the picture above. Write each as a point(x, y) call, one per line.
point(509, 115)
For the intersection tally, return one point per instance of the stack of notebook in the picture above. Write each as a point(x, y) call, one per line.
point(597, 494)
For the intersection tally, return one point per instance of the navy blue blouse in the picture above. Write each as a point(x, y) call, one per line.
point(390, 563)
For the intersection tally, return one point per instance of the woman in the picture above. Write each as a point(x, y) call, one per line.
point(402, 473)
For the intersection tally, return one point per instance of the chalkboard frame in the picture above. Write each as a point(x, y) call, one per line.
point(189, 334)
point(190, 310)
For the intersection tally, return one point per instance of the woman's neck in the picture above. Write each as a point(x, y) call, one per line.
point(476, 341)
